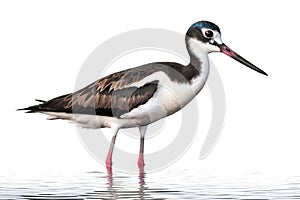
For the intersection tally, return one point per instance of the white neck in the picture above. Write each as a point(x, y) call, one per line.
point(199, 59)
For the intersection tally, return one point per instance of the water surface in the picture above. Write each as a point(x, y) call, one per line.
point(182, 184)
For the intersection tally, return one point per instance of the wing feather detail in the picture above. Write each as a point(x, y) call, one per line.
point(110, 96)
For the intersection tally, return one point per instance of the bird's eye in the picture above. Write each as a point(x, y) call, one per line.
point(209, 33)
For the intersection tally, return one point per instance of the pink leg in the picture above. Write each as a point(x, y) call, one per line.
point(109, 161)
point(109, 154)
point(141, 162)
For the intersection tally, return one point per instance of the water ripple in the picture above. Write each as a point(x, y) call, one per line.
point(171, 185)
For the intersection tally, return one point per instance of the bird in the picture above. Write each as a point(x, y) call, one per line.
point(142, 95)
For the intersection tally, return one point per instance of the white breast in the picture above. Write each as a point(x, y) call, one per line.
point(170, 97)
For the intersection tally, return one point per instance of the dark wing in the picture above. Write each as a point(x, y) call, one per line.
point(110, 96)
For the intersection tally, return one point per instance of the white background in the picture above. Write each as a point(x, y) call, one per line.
point(43, 45)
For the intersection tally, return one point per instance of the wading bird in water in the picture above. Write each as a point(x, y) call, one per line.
point(137, 97)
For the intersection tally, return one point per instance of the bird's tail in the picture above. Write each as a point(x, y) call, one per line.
point(58, 104)
point(32, 109)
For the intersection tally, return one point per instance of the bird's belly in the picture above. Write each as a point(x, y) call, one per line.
point(168, 100)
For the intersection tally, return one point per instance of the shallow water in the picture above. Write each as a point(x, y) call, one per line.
point(183, 184)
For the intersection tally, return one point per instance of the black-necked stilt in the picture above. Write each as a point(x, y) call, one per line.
point(139, 96)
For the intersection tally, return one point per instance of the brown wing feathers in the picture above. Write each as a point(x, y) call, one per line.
point(105, 97)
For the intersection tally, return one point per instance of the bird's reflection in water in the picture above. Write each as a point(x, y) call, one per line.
point(98, 185)
point(117, 192)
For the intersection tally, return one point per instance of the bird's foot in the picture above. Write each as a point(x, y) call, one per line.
point(141, 162)
point(108, 166)
point(109, 161)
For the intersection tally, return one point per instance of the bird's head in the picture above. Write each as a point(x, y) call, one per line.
point(206, 36)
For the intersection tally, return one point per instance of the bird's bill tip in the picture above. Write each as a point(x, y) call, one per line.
point(229, 52)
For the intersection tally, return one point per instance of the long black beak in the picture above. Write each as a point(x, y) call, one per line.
point(226, 50)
